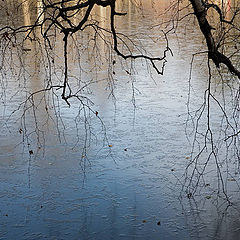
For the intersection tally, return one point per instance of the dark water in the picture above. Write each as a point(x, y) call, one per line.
point(127, 187)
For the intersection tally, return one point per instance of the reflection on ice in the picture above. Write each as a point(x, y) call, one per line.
point(126, 184)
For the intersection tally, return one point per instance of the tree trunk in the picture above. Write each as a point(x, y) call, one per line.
point(200, 10)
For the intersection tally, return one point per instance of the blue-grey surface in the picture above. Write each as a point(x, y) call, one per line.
point(126, 188)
